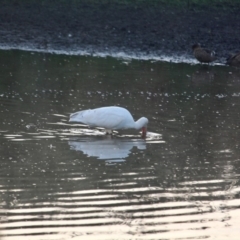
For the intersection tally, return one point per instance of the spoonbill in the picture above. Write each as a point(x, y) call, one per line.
point(110, 118)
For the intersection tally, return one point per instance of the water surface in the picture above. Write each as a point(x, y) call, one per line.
point(64, 181)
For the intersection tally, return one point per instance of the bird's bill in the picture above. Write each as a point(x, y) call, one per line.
point(144, 132)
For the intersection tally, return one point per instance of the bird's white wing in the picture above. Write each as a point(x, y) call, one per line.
point(105, 119)
point(99, 118)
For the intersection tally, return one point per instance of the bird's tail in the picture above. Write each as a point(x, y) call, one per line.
point(77, 116)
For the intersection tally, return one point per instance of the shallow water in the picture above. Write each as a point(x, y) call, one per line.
point(66, 181)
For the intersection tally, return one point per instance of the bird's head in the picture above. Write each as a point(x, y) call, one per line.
point(196, 45)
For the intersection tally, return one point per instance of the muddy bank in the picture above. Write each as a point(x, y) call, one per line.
point(147, 28)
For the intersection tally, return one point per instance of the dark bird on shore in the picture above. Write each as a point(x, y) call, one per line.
point(203, 55)
point(234, 60)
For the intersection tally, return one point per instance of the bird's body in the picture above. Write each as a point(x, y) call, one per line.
point(234, 60)
point(203, 55)
point(110, 118)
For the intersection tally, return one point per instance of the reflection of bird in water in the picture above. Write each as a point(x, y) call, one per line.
point(234, 60)
point(202, 75)
point(110, 118)
point(44, 44)
point(113, 150)
point(203, 55)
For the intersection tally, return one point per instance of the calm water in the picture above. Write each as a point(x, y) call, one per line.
point(65, 181)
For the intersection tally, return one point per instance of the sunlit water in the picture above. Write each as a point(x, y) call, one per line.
point(64, 181)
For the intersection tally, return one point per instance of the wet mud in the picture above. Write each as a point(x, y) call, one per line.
point(147, 28)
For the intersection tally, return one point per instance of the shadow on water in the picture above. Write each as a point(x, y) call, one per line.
point(62, 181)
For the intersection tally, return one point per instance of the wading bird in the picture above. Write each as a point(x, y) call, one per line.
point(110, 118)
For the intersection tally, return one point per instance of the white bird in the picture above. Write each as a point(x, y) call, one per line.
point(110, 118)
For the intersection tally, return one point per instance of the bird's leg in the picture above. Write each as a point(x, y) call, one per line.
point(144, 132)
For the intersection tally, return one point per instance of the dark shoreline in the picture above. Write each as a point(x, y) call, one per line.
point(147, 28)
